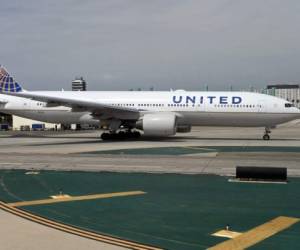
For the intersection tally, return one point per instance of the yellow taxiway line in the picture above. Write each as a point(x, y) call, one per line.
point(75, 230)
point(256, 234)
point(74, 198)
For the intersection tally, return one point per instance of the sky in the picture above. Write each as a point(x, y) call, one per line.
point(165, 44)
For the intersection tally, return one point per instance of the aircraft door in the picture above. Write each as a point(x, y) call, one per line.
point(261, 106)
point(26, 104)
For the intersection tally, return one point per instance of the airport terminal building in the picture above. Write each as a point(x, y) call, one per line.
point(290, 92)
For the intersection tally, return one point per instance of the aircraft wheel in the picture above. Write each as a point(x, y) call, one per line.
point(105, 136)
point(136, 134)
point(266, 137)
point(122, 135)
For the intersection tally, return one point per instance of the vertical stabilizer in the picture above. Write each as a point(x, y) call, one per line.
point(7, 82)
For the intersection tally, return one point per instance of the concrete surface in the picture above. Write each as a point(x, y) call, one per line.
point(19, 234)
point(62, 151)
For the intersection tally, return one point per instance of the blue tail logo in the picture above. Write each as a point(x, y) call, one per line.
point(7, 83)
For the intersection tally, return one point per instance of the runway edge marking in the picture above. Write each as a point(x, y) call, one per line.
point(76, 231)
point(257, 234)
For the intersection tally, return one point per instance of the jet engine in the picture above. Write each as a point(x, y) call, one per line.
point(159, 124)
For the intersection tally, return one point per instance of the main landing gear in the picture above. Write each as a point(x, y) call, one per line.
point(266, 135)
point(120, 135)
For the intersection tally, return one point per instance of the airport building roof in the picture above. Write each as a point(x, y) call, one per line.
point(283, 86)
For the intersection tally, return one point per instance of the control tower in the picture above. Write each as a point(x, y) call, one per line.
point(79, 84)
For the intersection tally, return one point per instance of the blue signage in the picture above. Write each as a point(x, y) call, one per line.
point(207, 99)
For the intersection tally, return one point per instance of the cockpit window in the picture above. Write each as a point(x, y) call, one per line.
point(288, 105)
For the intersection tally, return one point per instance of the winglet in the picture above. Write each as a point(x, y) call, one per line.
point(7, 83)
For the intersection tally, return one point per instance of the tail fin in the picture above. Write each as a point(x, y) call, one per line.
point(7, 83)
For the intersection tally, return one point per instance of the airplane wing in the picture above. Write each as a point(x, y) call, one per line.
point(98, 109)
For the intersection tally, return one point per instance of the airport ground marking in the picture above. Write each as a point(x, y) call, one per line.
point(227, 234)
point(75, 198)
point(257, 234)
point(74, 230)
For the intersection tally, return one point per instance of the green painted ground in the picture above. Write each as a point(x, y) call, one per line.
point(178, 212)
point(195, 150)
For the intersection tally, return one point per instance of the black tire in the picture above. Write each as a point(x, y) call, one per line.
point(136, 134)
point(114, 136)
point(122, 135)
point(266, 137)
point(105, 136)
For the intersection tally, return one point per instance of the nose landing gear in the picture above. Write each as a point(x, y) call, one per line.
point(266, 136)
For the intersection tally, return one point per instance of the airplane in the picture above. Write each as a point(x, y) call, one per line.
point(156, 113)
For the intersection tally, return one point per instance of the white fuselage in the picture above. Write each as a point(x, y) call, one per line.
point(193, 108)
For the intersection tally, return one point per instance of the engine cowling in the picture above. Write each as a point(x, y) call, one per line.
point(160, 124)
